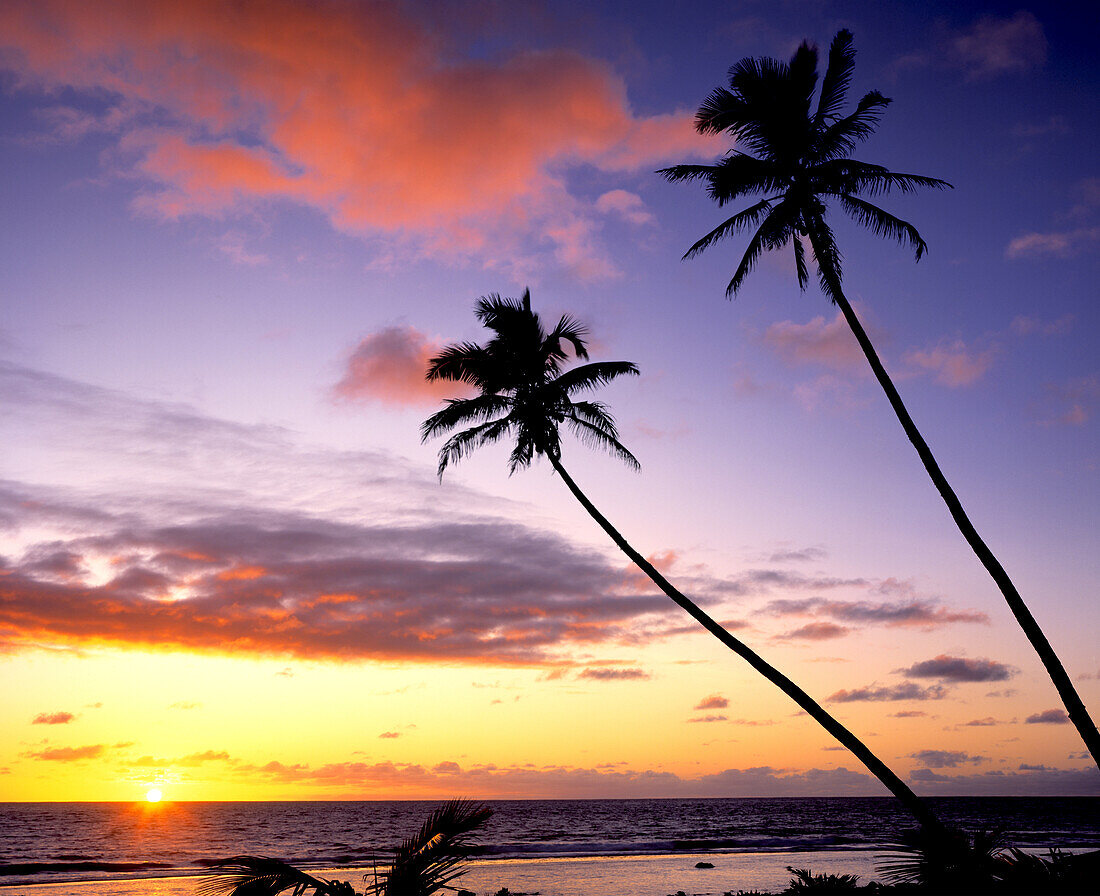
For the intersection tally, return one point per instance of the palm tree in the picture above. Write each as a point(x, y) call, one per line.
point(525, 394)
point(802, 161)
point(422, 865)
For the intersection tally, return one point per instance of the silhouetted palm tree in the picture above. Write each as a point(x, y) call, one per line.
point(801, 164)
point(526, 395)
point(422, 865)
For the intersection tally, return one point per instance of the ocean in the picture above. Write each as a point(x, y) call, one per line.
point(555, 847)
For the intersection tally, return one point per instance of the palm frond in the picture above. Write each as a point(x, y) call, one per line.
point(852, 176)
point(743, 219)
point(686, 172)
point(461, 444)
point(464, 410)
point(882, 223)
point(595, 436)
point(591, 376)
point(838, 76)
point(780, 225)
point(428, 861)
point(570, 330)
point(841, 137)
point(262, 876)
point(463, 362)
point(720, 111)
point(951, 861)
point(800, 263)
point(826, 253)
point(739, 174)
point(597, 414)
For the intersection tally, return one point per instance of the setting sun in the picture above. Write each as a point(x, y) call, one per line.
point(153, 796)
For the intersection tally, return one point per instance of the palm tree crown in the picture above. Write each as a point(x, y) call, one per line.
point(801, 160)
point(523, 391)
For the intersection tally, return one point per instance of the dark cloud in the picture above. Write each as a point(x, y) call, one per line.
point(609, 674)
point(945, 758)
point(909, 612)
point(53, 718)
point(714, 701)
point(987, 722)
point(907, 690)
point(995, 782)
point(267, 582)
point(1048, 717)
point(959, 669)
point(909, 714)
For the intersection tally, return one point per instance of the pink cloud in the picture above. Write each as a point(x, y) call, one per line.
point(390, 367)
point(356, 110)
point(828, 343)
point(817, 631)
point(53, 718)
point(714, 701)
point(626, 205)
point(1068, 404)
point(952, 362)
point(68, 754)
point(994, 46)
point(1054, 244)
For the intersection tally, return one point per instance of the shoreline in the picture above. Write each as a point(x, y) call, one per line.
point(599, 875)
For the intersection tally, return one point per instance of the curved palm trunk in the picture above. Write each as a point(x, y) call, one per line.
point(1075, 708)
point(875, 765)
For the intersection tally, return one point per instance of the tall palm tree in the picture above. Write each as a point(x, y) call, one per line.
point(526, 394)
point(800, 163)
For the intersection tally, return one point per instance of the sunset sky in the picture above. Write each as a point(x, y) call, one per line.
point(234, 232)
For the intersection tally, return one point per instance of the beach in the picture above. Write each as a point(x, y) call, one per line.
point(646, 875)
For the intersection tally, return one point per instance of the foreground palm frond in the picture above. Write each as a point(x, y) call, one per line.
point(951, 861)
point(261, 876)
point(428, 861)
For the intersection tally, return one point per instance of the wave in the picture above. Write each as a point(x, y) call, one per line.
point(26, 868)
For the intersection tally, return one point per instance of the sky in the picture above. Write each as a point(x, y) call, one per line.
point(233, 234)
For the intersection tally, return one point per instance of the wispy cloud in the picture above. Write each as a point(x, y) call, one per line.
point(1071, 403)
point(609, 674)
point(989, 47)
point(952, 362)
point(714, 701)
point(1048, 717)
point(959, 669)
point(919, 613)
point(828, 343)
point(816, 631)
point(1053, 243)
point(946, 758)
point(907, 690)
point(67, 754)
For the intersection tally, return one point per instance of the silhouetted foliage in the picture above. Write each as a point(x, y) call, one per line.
point(423, 865)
